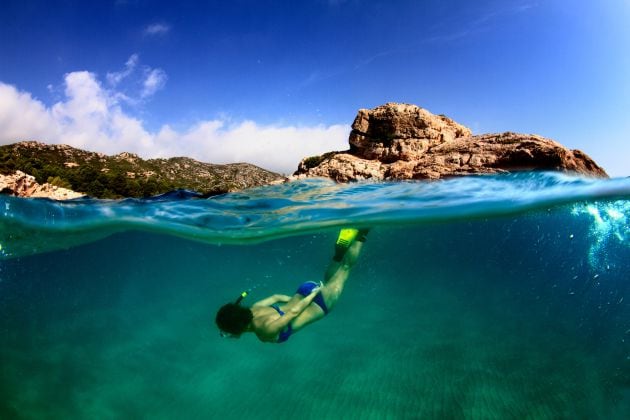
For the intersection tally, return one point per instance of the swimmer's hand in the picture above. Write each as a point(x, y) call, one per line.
point(314, 291)
point(317, 289)
point(299, 306)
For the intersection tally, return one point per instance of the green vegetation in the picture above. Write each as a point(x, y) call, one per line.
point(89, 179)
point(125, 175)
point(313, 161)
point(58, 182)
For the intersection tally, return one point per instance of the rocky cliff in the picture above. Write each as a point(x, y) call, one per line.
point(122, 175)
point(401, 141)
point(23, 185)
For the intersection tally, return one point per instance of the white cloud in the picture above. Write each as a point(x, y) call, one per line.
point(90, 117)
point(157, 29)
point(116, 77)
point(154, 81)
point(23, 117)
point(133, 87)
point(279, 148)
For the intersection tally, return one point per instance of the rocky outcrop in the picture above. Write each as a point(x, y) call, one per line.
point(23, 185)
point(401, 141)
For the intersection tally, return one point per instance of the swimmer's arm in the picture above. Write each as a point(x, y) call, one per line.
point(292, 312)
point(272, 299)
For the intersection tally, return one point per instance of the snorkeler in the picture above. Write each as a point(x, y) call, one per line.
point(276, 318)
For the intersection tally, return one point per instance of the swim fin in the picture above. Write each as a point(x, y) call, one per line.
point(346, 237)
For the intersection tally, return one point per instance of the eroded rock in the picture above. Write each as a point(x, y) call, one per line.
point(23, 185)
point(401, 141)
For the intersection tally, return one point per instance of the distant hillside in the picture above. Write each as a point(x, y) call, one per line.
point(126, 175)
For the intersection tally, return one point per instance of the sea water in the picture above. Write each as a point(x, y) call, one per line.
point(474, 298)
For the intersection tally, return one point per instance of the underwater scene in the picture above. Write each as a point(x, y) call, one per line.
point(484, 297)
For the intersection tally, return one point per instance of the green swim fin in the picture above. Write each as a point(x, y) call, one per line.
point(346, 236)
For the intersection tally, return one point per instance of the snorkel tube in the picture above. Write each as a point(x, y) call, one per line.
point(242, 296)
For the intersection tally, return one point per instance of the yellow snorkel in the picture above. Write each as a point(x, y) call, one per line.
point(242, 296)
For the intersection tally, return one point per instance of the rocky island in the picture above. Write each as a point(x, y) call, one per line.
point(401, 141)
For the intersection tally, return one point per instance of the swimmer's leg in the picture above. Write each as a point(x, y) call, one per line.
point(334, 281)
point(347, 237)
point(339, 271)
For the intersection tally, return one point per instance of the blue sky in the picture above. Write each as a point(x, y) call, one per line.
point(272, 81)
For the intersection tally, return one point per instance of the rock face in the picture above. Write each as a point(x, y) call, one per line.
point(401, 141)
point(24, 185)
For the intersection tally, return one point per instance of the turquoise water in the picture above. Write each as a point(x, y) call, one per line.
point(476, 298)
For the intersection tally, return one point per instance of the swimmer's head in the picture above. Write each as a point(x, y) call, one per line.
point(233, 319)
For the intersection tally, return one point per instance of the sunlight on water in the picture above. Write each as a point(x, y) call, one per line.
point(609, 228)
